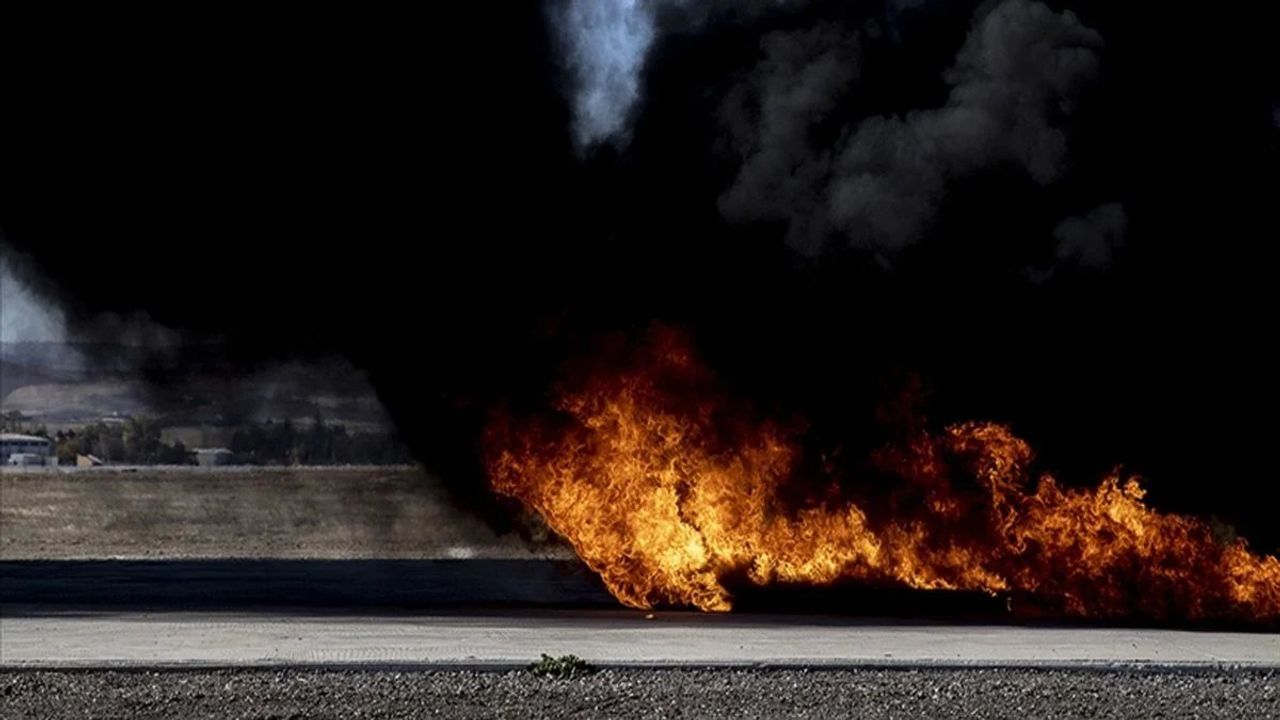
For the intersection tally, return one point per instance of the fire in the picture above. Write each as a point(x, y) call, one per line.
point(664, 487)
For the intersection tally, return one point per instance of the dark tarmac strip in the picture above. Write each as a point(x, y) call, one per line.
point(226, 583)
point(642, 693)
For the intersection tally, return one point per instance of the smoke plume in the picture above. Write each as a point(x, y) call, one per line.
point(1091, 241)
point(25, 315)
point(31, 311)
point(823, 192)
point(1021, 70)
point(604, 44)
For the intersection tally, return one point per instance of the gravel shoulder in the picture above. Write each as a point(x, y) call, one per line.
point(638, 693)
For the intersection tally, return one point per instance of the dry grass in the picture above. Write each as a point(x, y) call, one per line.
point(240, 513)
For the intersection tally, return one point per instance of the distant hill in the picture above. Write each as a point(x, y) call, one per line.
point(67, 383)
point(82, 359)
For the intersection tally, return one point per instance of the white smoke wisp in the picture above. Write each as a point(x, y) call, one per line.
point(24, 315)
point(604, 43)
point(29, 316)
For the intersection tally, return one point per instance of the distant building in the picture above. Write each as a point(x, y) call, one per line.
point(208, 457)
point(88, 461)
point(18, 449)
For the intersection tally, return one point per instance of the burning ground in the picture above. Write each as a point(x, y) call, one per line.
point(665, 486)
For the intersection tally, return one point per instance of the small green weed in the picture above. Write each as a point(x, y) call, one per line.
point(562, 668)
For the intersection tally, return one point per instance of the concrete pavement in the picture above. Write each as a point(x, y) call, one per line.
point(193, 639)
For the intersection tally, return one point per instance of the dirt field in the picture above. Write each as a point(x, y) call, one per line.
point(314, 513)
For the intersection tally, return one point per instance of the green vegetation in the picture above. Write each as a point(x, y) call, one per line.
point(317, 444)
point(564, 667)
point(135, 441)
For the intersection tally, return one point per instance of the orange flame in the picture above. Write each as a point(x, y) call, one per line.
point(664, 488)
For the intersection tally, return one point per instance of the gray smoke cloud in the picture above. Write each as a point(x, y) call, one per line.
point(879, 184)
point(1092, 240)
point(770, 118)
point(1021, 68)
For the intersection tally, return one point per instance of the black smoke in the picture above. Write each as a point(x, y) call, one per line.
point(1058, 215)
point(878, 180)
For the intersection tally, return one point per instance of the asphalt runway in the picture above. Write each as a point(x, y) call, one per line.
point(345, 638)
point(112, 639)
point(506, 613)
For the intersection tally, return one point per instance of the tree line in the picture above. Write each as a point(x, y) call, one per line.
point(139, 441)
point(319, 443)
